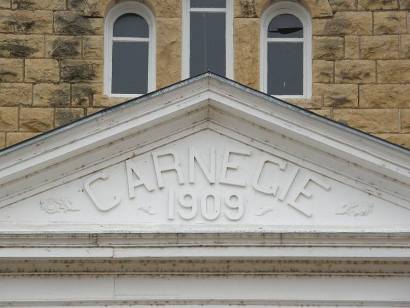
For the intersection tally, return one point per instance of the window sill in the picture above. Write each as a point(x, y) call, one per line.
point(283, 97)
point(125, 95)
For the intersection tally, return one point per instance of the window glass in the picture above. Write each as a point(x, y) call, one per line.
point(285, 68)
point(208, 3)
point(208, 43)
point(130, 67)
point(131, 25)
point(285, 26)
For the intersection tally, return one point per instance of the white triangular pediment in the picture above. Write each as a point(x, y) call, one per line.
point(206, 155)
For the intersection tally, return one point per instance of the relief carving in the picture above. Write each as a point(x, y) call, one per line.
point(102, 207)
point(355, 209)
point(54, 206)
point(147, 209)
point(210, 204)
point(265, 210)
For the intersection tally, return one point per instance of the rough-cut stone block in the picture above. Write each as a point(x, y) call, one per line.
point(93, 47)
point(91, 94)
point(2, 140)
point(166, 8)
point(405, 46)
point(379, 47)
point(344, 23)
point(42, 70)
point(26, 21)
point(315, 102)
point(377, 5)
point(352, 47)
point(73, 23)
point(399, 139)
point(247, 51)
point(319, 8)
point(393, 71)
point(67, 115)
point(247, 8)
point(389, 22)
point(21, 46)
point(337, 95)
point(36, 119)
point(385, 96)
point(5, 4)
point(81, 70)
point(13, 138)
point(101, 100)
point(404, 4)
point(11, 70)
point(168, 51)
point(324, 112)
point(322, 71)
point(94, 8)
point(343, 5)
point(60, 47)
point(405, 120)
point(328, 48)
point(9, 119)
point(51, 95)
point(52, 5)
point(15, 94)
point(408, 22)
point(255, 8)
point(82, 94)
point(355, 71)
point(369, 120)
point(92, 110)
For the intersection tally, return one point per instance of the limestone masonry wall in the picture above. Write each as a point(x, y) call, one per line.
point(51, 61)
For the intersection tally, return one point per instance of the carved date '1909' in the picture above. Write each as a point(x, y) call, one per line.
point(187, 204)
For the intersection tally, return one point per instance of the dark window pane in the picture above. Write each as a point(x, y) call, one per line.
point(285, 26)
point(130, 67)
point(285, 68)
point(131, 25)
point(208, 3)
point(207, 43)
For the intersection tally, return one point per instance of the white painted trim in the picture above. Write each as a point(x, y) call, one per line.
point(207, 289)
point(288, 40)
point(293, 8)
point(113, 14)
point(130, 39)
point(208, 10)
point(186, 10)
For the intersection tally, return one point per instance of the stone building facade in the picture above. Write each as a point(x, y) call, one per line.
point(51, 61)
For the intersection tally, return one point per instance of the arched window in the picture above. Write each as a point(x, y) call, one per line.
point(129, 68)
point(286, 62)
point(207, 37)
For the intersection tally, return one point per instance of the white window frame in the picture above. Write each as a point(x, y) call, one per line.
point(292, 8)
point(117, 11)
point(186, 37)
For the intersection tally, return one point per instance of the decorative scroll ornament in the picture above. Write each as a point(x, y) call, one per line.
point(355, 209)
point(54, 206)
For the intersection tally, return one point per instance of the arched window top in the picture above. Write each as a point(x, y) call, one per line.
point(129, 50)
point(285, 26)
point(286, 13)
point(286, 51)
point(131, 25)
